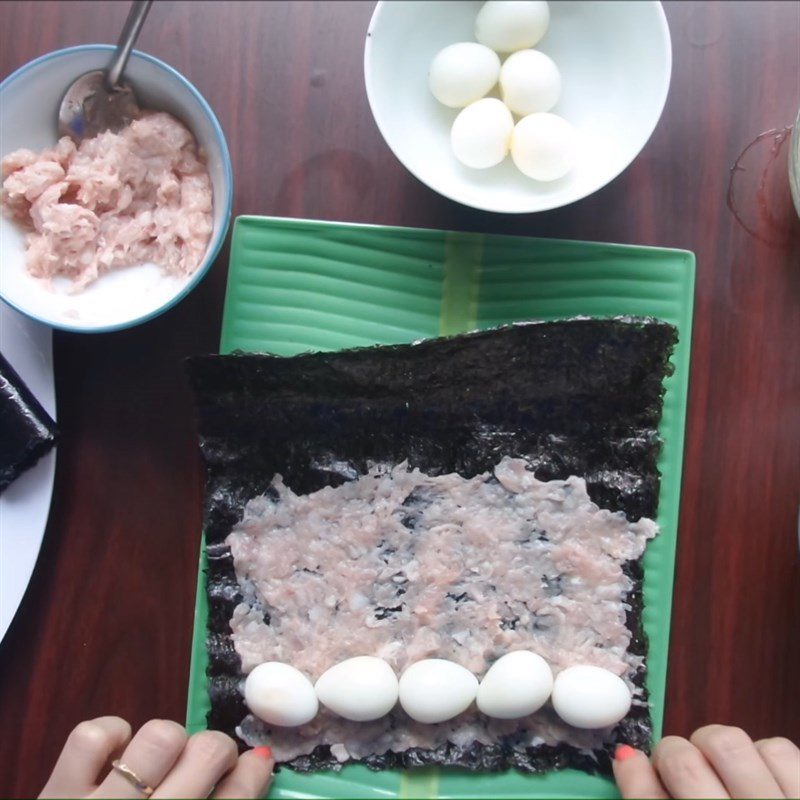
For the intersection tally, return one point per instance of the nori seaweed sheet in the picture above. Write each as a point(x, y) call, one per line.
point(27, 431)
point(580, 396)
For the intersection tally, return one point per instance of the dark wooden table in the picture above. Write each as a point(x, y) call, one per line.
point(106, 623)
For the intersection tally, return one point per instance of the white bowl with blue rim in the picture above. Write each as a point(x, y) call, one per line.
point(29, 101)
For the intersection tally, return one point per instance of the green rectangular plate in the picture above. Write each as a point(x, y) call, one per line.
point(298, 285)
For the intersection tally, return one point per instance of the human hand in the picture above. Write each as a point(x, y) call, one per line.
point(717, 762)
point(162, 757)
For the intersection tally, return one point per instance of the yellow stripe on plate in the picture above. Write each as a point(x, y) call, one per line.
point(419, 783)
point(463, 257)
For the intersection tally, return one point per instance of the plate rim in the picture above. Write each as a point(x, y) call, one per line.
point(45, 468)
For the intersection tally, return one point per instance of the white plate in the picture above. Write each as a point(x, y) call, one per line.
point(25, 504)
point(615, 60)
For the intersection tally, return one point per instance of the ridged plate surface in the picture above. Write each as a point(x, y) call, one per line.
point(298, 285)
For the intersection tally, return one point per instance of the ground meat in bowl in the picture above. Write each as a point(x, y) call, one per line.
point(139, 196)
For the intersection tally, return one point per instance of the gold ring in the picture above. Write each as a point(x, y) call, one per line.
point(132, 778)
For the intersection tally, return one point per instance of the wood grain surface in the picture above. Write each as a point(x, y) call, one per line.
point(105, 626)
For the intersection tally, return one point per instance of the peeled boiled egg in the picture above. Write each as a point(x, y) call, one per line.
point(530, 82)
point(361, 688)
point(544, 146)
point(509, 25)
point(280, 695)
point(481, 133)
point(463, 73)
point(435, 690)
point(585, 696)
point(516, 685)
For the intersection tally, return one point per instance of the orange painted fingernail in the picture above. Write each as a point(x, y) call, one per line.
point(263, 752)
point(624, 752)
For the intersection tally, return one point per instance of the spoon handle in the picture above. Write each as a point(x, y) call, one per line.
point(130, 32)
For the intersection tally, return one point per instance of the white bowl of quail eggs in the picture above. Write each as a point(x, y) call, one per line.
point(517, 106)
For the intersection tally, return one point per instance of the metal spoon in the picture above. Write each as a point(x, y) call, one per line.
point(98, 101)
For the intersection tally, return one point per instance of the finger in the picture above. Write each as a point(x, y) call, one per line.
point(86, 751)
point(208, 756)
point(250, 778)
point(783, 759)
point(737, 762)
point(150, 756)
point(684, 770)
point(635, 775)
